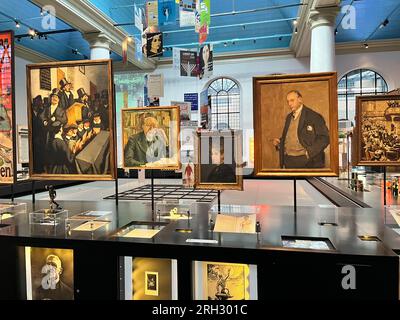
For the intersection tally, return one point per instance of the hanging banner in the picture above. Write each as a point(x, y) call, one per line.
point(205, 110)
point(203, 34)
point(155, 85)
point(176, 58)
point(187, 5)
point(167, 12)
point(193, 98)
point(152, 13)
point(188, 63)
point(138, 17)
point(154, 44)
point(187, 10)
point(206, 64)
point(185, 109)
point(205, 13)
point(7, 111)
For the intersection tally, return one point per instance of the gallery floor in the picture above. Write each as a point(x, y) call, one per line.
point(256, 192)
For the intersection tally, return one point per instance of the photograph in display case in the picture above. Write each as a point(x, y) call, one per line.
point(149, 279)
point(140, 229)
point(225, 281)
point(151, 283)
point(377, 131)
point(219, 160)
point(296, 125)
point(49, 273)
point(307, 243)
point(150, 138)
point(7, 112)
point(71, 117)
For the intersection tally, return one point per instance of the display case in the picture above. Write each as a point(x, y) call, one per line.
point(173, 210)
point(9, 210)
point(90, 223)
point(47, 221)
point(140, 229)
point(392, 217)
point(234, 219)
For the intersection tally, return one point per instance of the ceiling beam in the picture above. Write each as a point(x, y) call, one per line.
point(86, 18)
point(31, 55)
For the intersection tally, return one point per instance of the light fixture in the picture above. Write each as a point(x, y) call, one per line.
point(295, 31)
point(225, 44)
point(32, 32)
point(254, 41)
point(280, 38)
point(74, 51)
point(233, 42)
point(366, 45)
point(45, 37)
point(336, 31)
point(17, 25)
point(384, 23)
point(295, 22)
point(41, 12)
point(129, 39)
point(31, 37)
point(18, 39)
point(244, 27)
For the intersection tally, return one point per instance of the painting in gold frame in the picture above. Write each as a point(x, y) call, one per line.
point(377, 131)
point(150, 138)
point(71, 121)
point(296, 125)
point(219, 160)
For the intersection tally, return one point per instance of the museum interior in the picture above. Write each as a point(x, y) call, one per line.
point(199, 149)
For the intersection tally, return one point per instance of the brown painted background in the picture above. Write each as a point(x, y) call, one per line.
point(274, 109)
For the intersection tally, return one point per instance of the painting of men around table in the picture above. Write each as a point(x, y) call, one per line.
point(378, 130)
point(6, 107)
point(151, 138)
point(71, 122)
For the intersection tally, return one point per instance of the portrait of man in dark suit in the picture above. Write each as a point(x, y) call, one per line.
point(304, 138)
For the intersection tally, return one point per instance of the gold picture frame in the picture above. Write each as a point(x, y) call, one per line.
point(151, 283)
point(96, 157)
point(163, 124)
point(314, 151)
point(227, 175)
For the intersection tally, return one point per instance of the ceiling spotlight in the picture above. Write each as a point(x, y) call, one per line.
point(45, 37)
point(244, 27)
point(75, 51)
point(336, 32)
point(295, 31)
point(366, 45)
point(32, 32)
point(18, 39)
point(254, 41)
point(41, 12)
point(295, 22)
point(280, 38)
point(17, 25)
point(31, 37)
point(233, 43)
point(225, 44)
point(129, 39)
point(384, 24)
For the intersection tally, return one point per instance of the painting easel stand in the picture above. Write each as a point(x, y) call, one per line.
point(294, 195)
point(384, 186)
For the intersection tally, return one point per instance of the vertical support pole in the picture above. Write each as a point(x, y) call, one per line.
point(12, 192)
point(33, 192)
point(219, 201)
point(384, 186)
point(152, 195)
point(116, 191)
point(295, 195)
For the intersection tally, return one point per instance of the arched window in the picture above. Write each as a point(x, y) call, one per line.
point(225, 103)
point(354, 83)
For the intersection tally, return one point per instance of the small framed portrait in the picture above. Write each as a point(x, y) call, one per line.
point(219, 160)
point(296, 125)
point(151, 283)
point(150, 138)
point(377, 134)
point(154, 44)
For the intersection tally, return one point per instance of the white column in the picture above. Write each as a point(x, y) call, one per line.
point(322, 21)
point(99, 45)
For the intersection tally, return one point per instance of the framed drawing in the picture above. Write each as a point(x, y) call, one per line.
point(151, 283)
point(218, 163)
point(150, 138)
point(296, 125)
point(377, 131)
point(71, 126)
point(8, 172)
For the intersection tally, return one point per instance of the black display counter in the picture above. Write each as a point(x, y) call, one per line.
point(283, 273)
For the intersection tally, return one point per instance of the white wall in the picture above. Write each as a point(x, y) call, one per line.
point(387, 64)
point(20, 91)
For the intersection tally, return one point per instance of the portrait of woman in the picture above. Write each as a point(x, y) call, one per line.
point(154, 44)
point(206, 61)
